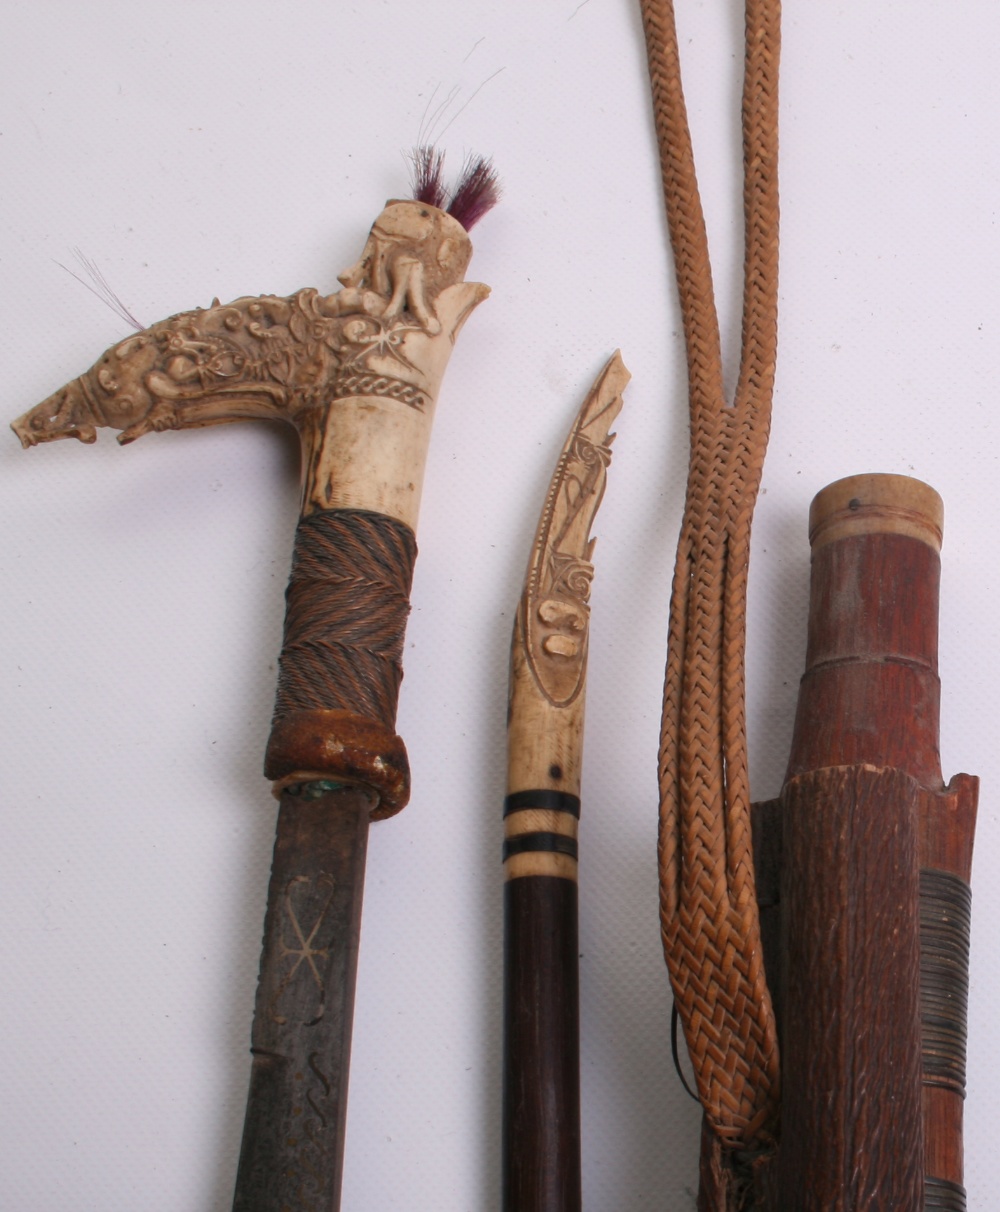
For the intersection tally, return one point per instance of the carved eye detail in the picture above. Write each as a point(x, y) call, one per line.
point(560, 646)
point(355, 331)
point(180, 368)
point(225, 364)
point(567, 616)
point(107, 380)
point(129, 347)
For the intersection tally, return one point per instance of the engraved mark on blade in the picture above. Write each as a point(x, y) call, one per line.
point(305, 954)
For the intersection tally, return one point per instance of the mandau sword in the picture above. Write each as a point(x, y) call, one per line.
point(357, 373)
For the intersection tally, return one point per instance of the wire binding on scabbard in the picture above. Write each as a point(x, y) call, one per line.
point(943, 1196)
point(945, 927)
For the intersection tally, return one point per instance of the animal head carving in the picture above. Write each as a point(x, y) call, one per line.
point(387, 333)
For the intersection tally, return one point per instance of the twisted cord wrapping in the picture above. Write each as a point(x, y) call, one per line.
point(708, 909)
point(347, 604)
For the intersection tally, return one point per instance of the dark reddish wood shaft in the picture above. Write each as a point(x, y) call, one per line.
point(541, 1111)
point(870, 692)
point(293, 1137)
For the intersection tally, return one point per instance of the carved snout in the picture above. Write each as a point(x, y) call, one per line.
point(65, 414)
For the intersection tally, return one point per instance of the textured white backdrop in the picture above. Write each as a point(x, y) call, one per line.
point(200, 149)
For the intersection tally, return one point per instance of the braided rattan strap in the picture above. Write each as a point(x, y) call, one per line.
point(708, 909)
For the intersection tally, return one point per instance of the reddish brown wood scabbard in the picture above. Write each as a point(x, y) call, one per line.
point(876, 864)
point(863, 868)
point(541, 1112)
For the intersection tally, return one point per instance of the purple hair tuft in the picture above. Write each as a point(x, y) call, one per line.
point(428, 170)
point(478, 192)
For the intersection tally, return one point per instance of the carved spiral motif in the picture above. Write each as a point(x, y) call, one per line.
point(574, 579)
point(590, 454)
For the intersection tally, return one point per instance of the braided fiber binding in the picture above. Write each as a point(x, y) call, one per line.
point(346, 606)
point(709, 917)
point(341, 663)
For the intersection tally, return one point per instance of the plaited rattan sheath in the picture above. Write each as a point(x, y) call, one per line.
point(709, 915)
point(347, 605)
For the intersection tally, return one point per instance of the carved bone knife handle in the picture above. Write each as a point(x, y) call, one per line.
point(541, 1066)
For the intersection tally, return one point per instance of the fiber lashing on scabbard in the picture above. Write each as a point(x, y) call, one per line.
point(943, 1196)
point(945, 930)
point(709, 917)
point(347, 602)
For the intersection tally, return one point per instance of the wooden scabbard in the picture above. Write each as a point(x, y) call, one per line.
point(865, 804)
point(863, 866)
point(851, 1095)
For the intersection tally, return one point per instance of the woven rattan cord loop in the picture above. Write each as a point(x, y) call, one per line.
point(708, 908)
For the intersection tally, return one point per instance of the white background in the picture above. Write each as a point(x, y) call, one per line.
point(225, 149)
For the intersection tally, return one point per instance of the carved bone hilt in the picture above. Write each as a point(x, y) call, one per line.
point(357, 373)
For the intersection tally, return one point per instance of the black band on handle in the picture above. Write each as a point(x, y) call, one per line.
point(551, 801)
point(552, 843)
